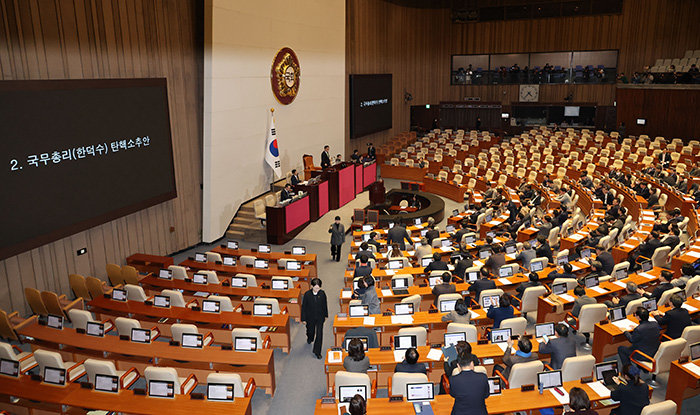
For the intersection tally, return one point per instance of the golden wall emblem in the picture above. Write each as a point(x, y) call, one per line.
point(285, 75)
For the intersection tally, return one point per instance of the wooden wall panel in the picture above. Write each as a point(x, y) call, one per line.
point(76, 39)
point(415, 45)
point(670, 112)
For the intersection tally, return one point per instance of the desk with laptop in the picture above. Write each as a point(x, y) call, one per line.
point(684, 378)
point(264, 251)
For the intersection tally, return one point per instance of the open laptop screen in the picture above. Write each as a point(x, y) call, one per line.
point(447, 305)
point(9, 367)
point(298, 250)
point(559, 289)
point(232, 244)
point(165, 274)
point(293, 265)
point(564, 259)
point(395, 264)
point(260, 264)
point(424, 262)
point(161, 301)
point(200, 257)
point(490, 301)
point(695, 351)
point(118, 294)
point(359, 310)
point(484, 253)
point(500, 335)
point(192, 340)
point(399, 283)
point(280, 284)
point(494, 386)
point(505, 271)
point(94, 328)
point(472, 275)
point(211, 306)
point(140, 335)
point(419, 392)
point(617, 313)
point(262, 309)
point(536, 266)
point(54, 321)
point(199, 278)
point(600, 368)
point(55, 376)
point(649, 304)
point(229, 260)
point(264, 248)
point(245, 344)
point(591, 281)
point(363, 339)
point(239, 282)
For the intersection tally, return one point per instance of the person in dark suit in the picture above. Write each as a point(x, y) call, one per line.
point(665, 158)
point(581, 300)
point(355, 156)
point(545, 227)
point(286, 193)
point(372, 341)
point(437, 265)
point(496, 260)
point(652, 200)
point(675, 319)
point(432, 233)
point(364, 269)
point(565, 271)
point(326, 157)
point(522, 355)
point(469, 388)
point(631, 294)
point(605, 258)
point(562, 346)
point(373, 241)
point(607, 197)
point(647, 248)
point(534, 281)
point(502, 312)
point(673, 239)
point(543, 250)
point(466, 261)
point(483, 283)
point(398, 235)
point(645, 337)
point(444, 288)
point(364, 250)
point(337, 231)
point(314, 312)
point(585, 181)
point(526, 255)
point(633, 395)
point(410, 363)
point(457, 237)
point(294, 178)
point(371, 151)
point(664, 284)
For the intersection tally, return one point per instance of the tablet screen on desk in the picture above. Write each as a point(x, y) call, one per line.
point(490, 301)
point(367, 228)
point(550, 379)
point(298, 250)
point(192, 340)
point(472, 275)
point(591, 281)
point(404, 342)
point(106, 383)
point(264, 248)
point(484, 253)
point(434, 280)
point(601, 368)
point(505, 271)
point(495, 386)
point(293, 265)
point(161, 389)
point(347, 392)
point(511, 249)
point(140, 335)
point(55, 322)
point(649, 304)
point(450, 228)
point(211, 306)
point(646, 266)
point(418, 221)
point(446, 243)
point(500, 335)
point(424, 262)
point(452, 338)
point(359, 310)
point(55, 376)
point(396, 264)
point(95, 329)
point(617, 313)
point(262, 309)
point(419, 392)
point(447, 305)
point(280, 284)
point(586, 253)
point(399, 283)
point(363, 339)
point(544, 329)
point(199, 278)
point(536, 266)
point(220, 391)
point(165, 274)
point(232, 244)
point(559, 288)
point(118, 294)
point(563, 259)
point(229, 261)
point(245, 344)
point(239, 282)
point(200, 257)
point(401, 309)
point(9, 367)
point(621, 273)
point(260, 264)
point(469, 239)
point(162, 301)
point(695, 351)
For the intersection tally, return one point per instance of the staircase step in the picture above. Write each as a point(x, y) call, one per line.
point(235, 234)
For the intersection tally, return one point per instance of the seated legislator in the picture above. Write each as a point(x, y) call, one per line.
point(460, 314)
point(363, 269)
point(526, 255)
point(433, 232)
point(631, 294)
point(522, 355)
point(664, 284)
point(437, 265)
point(633, 394)
point(563, 271)
point(497, 260)
point(424, 249)
point(464, 261)
point(543, 248)
point(356, 361)
point(372, 341)
point(357, 406)
point(562, 346)
point(534, 281)
point(644, 337)
point(687, 272)
point(460, 347)
point(364, 250)
point(373, 240)
point(367, 293)
point(410, 363)
point(675, 319)
point(355, 156)
point(443, 288)
point(502, 312)
point(581, 300)
point(286, 193)
point(469, 388)
point(579, 403)
point(483, 283)
point(605, 258)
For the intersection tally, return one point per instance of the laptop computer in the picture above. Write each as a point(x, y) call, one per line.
point(402, 309)
point(200, 257)
point(446, 243)
point(293, 265)
point(118, 294)
point(264, 248)
point(536, 266)
point(505, 271)
point(211, 306)
point(93, 328)
point(405, 341)
point(232, 244)
point(262, 310)
point(140, 335)
point(245, 344)
point(494, 386)
point(646, 266)
point(559, 289)
point(239, 282)
point(298, 250)
point(617, 313)
point(280, 284)
point(605, 372)
point(367, 228)
point(490, 301)
point(395, 264)
point(511, 248)
point(650, 304)
point(452, 338)
point(54, 321)
point(450, 228)
point(220, 392)
point(551, 379)
point(563, 259)
point(229, 260)
point(591, 281)
point(261, 264)
point(695, 351)
point(472, 275)
point(192, 340)
point(621, 273)
point(9, 368)
point(162, 301)
point(165, 274)
point(198, 278)
point(55, 375)
point(424, 262)
point(485, 253)
point(434, 280)
point(469, 239)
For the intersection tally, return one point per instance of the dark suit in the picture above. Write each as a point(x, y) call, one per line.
point(671, 240)
point(461, 267)
point(432, 234)
point(606, 259)
point(410, 368)
point(544, 251)
point(647, 248)
point(398, 235)
point(498, 314)
point(470, 390)
point(362, 271)
point(371, 335)
point(665, 159)
point(369, 254)
point(645, 338)
point(480, 285)
point(653, 200)
point(325, 160)
point(375, 243)
point(562, 347)
point(442, 289)
point(285, 195)
point(675, 320)
point(510, 359)
point(525, 285)
point(294, 180)
point(607, 199)
point(625, 299)
point(436, 266)
point(659, 290)
point(495, 262)
point(580, 302)
point(314, 311)
point(632, 398)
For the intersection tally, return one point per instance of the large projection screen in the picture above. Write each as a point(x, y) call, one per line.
point(370, 104)
point(79, 153)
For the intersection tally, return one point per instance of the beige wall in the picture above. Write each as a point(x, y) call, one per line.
point(241, 40)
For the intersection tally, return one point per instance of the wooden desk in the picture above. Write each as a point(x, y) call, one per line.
point(285, 222)
point(680, 380)
point(402, 209)
point(403, 172)
point(149, 263)
point(49, 398)
point(318, 197)
point(308, 259)
point(304, 275)
point(290, 298)
point(510, 400)
point(217, 323)
point(449, 190)
point(259, 365)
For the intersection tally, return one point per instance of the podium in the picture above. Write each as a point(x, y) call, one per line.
point(285, 222)
point(318, 196)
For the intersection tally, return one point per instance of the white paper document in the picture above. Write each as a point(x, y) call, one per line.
point(411, 253)
point(478, 263)
point(389, 271)
point(473, 314)
point(599, 290)
point(446, 249)
point(399, 355)
point(386, 292)
point(494, 222)
point(693, 368)
point(694, 254)
point(567, 297)
point(646, 275)
point(628, 246)
point(401, 319)
point(690, 308)
point(335, 356)
point(504, 281)
point(625, 324)
point(563, 399)
point(576, 237)
point(435, 354)
point(368, 321)
point(620, 284)
point(600, 389)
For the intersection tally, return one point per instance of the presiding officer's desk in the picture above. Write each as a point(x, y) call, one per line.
point(261, 275)
point(510, 400)
point(220, 324)
point(683, 382)
point(284, 222)
point(290, 298)
point(74, 346)
point(309, 260)
point(17, 394)
point(607, 336)
point(148, 263)
point(388, 326)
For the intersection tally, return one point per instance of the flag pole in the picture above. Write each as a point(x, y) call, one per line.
point(272, 185)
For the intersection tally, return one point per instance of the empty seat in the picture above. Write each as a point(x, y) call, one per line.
point(46, 358)
point(183, 386)
point(105, 367)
